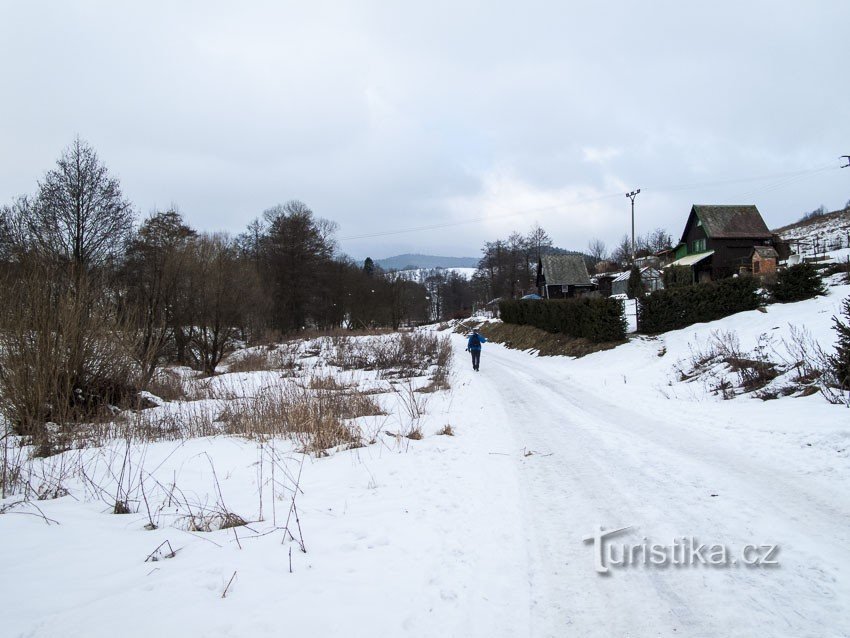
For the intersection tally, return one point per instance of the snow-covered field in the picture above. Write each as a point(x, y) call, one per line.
point(476, 534)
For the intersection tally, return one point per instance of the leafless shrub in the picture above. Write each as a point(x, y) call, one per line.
point(46, 479)
point(411, 402)
point(814, 367)
point(65, 351)
point(799, 367)
point(403, 354)
point(11, 472)
point(168, 385)
point(755, 370)
point(211, 520)
point(446, 430)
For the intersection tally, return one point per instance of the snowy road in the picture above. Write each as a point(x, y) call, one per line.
point(614, 456)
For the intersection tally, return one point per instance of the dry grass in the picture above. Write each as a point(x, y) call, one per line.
point(446, 430)
point(317, 410)
point(326, 382)
point(250, 361)
point(405, 354)
point(317, 419)
point(168, 385)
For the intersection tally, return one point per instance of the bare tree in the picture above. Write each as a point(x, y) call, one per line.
point(596, 248)
point(155, 260)
point(218, 280)
point(622, 252)
point(539, 241)
point(14, 229)
point(656, 241)
point(80, 215)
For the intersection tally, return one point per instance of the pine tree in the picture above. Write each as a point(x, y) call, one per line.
point(840, 360)
point(797, 283)
point(635, 286)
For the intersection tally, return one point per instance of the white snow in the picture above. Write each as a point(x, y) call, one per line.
point(477, 534)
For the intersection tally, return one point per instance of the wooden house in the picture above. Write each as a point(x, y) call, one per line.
point(719, 240)
point(563, 276)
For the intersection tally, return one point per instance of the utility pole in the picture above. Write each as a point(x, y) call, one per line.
point(632, 196)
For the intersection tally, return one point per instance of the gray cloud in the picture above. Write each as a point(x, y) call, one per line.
point(385, 116)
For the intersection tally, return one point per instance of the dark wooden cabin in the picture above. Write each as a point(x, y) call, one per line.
point(719, 240)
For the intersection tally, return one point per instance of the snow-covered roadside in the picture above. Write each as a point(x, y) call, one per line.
point(413, 537)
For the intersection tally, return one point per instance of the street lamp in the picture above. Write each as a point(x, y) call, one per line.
point(632, 196)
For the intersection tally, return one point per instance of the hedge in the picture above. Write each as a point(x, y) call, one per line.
point(674, 308)
point(595, 319)
point(797, 283)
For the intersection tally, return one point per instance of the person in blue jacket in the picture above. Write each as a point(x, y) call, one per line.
point(473, 345)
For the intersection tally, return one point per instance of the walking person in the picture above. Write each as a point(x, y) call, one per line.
point(473, 345)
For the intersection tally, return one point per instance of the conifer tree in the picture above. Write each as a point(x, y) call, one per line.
point(797, 283)
point(635, 285)
point(840, 360)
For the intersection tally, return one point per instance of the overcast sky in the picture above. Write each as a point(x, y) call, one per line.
point(389, 116)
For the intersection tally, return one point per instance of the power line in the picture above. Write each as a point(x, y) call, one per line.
point(786, 178)
point(786, 182)
point(473, 220)
point(739, 180)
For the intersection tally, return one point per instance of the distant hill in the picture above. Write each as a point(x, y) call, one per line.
point(409, 262)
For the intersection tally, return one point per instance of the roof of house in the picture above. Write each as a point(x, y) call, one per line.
point(565, 270)
point(728, 222)
point(766, 252)
point(690, 260)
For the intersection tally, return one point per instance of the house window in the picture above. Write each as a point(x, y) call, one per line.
point(756, 266)
point(698, 245)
